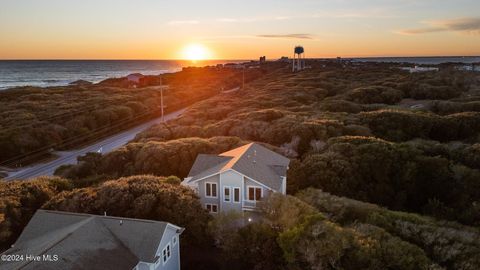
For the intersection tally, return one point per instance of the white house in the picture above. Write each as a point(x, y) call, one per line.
point(238, 179)
point(61, 240)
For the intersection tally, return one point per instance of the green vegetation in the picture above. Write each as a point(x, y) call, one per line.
point(321, 231)
point(174, 157)
point(35, 120)
point(397, 175)
point(448, 244)
point(350, 131)
point(142, 196)
point(20, 199)
point(347, 130)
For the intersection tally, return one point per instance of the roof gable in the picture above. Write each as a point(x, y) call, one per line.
point(251, 160)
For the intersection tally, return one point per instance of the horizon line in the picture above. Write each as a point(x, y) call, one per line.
point(231, 59)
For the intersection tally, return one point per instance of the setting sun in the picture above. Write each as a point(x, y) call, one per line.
point(195, 52)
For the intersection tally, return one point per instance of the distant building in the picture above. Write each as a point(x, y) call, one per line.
point(471, 67)
point(263, 59)
point(236, 180)
point(420, 69)
point(284, 59)
point(135, 77)
point(82, 241)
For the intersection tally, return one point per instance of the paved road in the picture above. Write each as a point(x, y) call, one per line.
point(70, 157)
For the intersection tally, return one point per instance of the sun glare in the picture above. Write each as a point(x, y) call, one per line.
point(195, 52)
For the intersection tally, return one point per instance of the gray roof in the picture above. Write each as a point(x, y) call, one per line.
point(252, 160)
point(84, 241)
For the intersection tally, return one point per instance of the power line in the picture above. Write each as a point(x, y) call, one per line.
point(87, 137)
point(68, 142)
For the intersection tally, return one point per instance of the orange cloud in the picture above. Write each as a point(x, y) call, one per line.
point(463, 25)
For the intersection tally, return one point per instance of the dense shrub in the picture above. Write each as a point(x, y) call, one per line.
point(399, 176)
point(450, 245)
point(20, 199)
point(405, 125)
point(174, 157)
point(375, 94)
point(35, 119)
point(144, 197)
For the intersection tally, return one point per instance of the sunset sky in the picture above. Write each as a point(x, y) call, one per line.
point(157, 29)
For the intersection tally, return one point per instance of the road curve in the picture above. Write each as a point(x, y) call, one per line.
point(70, 157)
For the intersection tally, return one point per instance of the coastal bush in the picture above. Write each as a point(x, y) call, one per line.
point(450, 107)
point(448, 244)
point(398, 176)
point(20, 199)
point(321, 244)
point(375, 94)
point(141, 196)
point(35, 120)
point(174, 157)
point(340, 106)
point(406, 125)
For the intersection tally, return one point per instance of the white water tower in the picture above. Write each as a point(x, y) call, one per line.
point(298, 58)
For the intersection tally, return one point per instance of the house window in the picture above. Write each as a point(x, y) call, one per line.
point(211, 190)
point(226, 194)
point(166, 253)
point(175, 240)
point(236, 194)
point(212, 208)
point(254, 193)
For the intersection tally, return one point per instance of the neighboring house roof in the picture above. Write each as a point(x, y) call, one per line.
point(84, 241)
point(135, 77)
point(251, 160)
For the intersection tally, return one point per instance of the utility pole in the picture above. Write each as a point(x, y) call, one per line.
point(161, 98)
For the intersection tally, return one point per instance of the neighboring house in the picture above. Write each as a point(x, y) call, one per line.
point(135, 77)
point(238, 179)
point(80, 241)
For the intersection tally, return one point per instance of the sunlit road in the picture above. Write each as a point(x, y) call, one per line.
point(70, 157)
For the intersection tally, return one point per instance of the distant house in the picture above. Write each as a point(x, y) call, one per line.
point(418, 69)
point(135, 77)
point(238, 179)
point(80, 241)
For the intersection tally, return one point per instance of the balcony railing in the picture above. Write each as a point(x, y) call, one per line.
point(249, 204)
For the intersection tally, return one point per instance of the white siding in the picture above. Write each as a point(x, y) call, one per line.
point(231, 179)
point(173, 263)
point(201, 191)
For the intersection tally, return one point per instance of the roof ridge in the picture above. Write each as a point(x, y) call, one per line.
point(118, 239)
point(100, 216)
point(236, 158)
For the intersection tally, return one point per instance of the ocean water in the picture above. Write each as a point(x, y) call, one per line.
point(45, 73)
